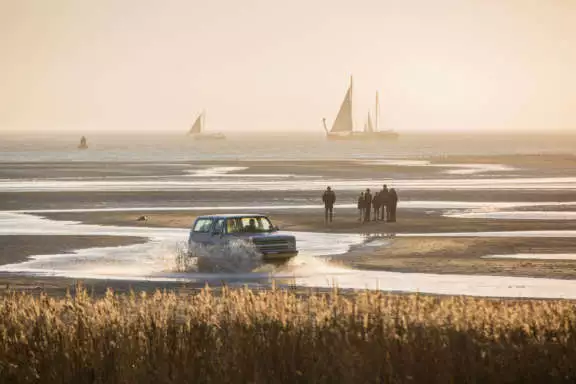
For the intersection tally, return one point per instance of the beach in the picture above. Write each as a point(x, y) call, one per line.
point(455, 213)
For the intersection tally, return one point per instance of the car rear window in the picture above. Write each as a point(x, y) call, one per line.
point(203, 225)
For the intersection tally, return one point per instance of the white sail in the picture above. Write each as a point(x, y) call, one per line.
point(343, 122)
point(368, 128)
point(197, 126)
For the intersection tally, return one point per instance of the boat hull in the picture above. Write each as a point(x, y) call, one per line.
point(209, 136)
point(363, 136)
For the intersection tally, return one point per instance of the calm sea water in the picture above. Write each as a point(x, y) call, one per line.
point(164, 148)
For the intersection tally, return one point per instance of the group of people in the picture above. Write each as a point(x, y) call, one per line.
point(378, 207)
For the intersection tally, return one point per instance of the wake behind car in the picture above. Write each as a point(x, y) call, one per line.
point(254, 229)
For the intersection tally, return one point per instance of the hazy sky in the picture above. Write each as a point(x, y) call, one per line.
point(283, 65)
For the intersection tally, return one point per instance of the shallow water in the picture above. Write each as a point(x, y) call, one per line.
point(517, 215)
point(156, 261)
point(281, 184)
point(451, 169)
point(535, 256)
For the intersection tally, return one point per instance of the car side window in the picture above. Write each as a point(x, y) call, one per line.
point(219, 226)
point(203, 225)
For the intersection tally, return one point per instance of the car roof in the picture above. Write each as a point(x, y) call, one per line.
point(231, 216)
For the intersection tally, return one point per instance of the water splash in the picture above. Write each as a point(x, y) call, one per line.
point(234, 256)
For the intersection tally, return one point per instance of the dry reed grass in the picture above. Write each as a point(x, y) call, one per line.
point(278, 336)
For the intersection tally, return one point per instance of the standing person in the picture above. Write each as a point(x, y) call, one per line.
point(367, 205)
point(393, 203)
point(384, 194)
point(376, 203)
point(329, 198)
point(361, 206)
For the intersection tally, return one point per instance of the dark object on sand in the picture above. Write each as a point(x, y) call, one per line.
point(142, 218)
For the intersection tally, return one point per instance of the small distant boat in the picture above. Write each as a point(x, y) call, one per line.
point(343, 126)
point(196, 131)
point(83, 143)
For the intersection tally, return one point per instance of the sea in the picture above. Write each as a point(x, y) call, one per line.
point(170, 147)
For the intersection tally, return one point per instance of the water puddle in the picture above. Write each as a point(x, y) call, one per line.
point(516, 215)
point(535, 256)
point(187, 183)
point(454, 169)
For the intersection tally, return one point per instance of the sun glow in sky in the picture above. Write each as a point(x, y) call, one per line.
point(254, 65)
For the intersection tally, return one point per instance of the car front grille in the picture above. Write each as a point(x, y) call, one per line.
point(273, 245)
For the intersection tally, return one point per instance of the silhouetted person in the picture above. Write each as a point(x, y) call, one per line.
point(376, 203)
point(361, 206)
point(367, 205)
point(251, 226)
point(384, 195)
point(392, 204)
point(329, 198)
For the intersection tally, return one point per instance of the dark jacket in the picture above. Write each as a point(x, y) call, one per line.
point(329, 198)
point(393, 197)
point(367, 199)
point(361, 203)
point(377, 200)
point(385, 196)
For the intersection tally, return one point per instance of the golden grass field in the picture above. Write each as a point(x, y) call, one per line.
point(282, 336)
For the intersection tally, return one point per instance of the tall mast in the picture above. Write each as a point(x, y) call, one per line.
point(376, 114)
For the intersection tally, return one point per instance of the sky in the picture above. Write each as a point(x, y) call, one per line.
point(269, 65)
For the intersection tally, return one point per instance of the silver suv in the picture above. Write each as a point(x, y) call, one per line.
point(252, 228)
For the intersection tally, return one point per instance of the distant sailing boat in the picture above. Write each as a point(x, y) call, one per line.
point(343, 127)
point(83, 143)
point(196, 131)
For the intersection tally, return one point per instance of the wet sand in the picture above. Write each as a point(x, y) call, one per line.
point(464, 256)
point(14, 249)
point(345, 221)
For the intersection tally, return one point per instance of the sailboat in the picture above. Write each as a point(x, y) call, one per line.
point(196, 131)
point(83, 143)
point(343, 126)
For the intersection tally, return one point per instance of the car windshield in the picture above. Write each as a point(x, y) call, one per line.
point(250, 224)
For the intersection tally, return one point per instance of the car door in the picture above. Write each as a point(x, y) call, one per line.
point(202, 231)
point(218, 232)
